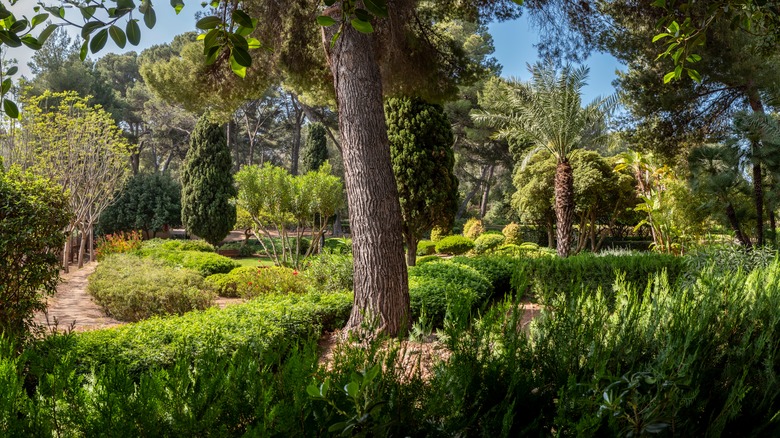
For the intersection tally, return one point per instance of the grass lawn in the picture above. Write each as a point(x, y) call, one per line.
point(254, 261)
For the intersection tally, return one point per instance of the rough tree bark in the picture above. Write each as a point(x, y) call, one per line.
point(564, 206)
point(758, 185)
point(486, 191)
point(381, 283)
point(734, 222)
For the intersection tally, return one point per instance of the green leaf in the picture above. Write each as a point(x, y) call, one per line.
point(90, 27)
point(677, 54)
point(660, 35)
point(659, 3)
point(241, 56)
point(242, 18)
point(377, 7)
point(84, 49)
point(325, 387)
point(87, 12)
point(12, 71)
point(362, 26)
point(313, 391)
point(693, 58)
point(133, 32)
point(668, 77)
point(363, 15)
point(325, 21)
point(329, 2)
point(10, 39)
point(673, 28)
point(150, 18)
point(10, 108)
point(253, 43)
point(335, 427)
point(693, 74)
point(38, 19)
point(238, 69)
point(177, 5)
point(31, 42)
point(243, 31)
point(211, 39)
point(98, 41)
point(118, 36)
point(352, 389)
point(5, 86)
point(45, 33)
point(238, 41)
point(19, 26)
point(209, 22)
point(212, 54)
point(335, 38)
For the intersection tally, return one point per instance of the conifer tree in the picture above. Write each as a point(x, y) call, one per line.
point(207, 184)
point(316, 152)
point(421, 149)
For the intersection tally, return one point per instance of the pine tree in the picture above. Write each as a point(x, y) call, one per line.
point(207, 184)
point(316, 149)
point(421, 149)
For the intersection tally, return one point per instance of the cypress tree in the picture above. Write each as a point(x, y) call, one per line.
point(421, 150)
point(316, 149)
point(207, 184)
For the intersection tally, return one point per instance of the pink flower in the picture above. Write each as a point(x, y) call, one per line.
point(295, 272)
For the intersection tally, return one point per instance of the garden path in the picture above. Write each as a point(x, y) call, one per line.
point(73, 307)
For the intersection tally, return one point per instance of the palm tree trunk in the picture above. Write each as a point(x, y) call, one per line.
point(734, 222)
point(564, 206)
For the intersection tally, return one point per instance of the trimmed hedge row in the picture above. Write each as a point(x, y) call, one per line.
point(272, 323)
point(206, 263)
point(250, 282)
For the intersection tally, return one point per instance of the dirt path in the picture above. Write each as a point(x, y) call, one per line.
point(73, 306)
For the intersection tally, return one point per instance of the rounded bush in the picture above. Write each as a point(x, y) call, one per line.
point(188, 245)
point(338, 246)
point(428, 259)
point(488, 242)
point(438, 233)
point(426, 247)
point(443, 287)
point(131, 288)
point(330, 271)
point(473, 228)
point(250, 282)
point(512, 234)
point(454, 245)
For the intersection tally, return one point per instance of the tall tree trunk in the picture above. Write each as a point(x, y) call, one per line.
point(758, 197)
point(337, 231)
point(758, 183)
point(381, 282)
point(772, 227)
point(296, 143)
point(411, 250)
point(734, 222)
point(486, 192)
point(470, 195)
point(82, 246)
point(550, 233)
point(564, 206)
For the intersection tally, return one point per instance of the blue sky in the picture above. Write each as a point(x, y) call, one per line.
point(514, 42)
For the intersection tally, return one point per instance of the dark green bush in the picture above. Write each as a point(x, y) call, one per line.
point(454, 245)
point(426, 247)
point(488, 242)
point(441, 286)
point(497, 269)
point(130, 288)
point(549, 276)
point(331, 272)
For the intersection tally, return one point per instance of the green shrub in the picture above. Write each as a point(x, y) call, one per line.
point(428, 259)
point(437, 288)
point(439, 232)
point(271, 323)
point(331, 272)
point(487, 243)
point(130, 288)
point(206, 263)
point(338, 246)
point(426, 247)
point(454, 245)
point(513, 234)
point(497, 269)
point(550, 276)
point(250, 282)
point(118, 243)
point(188, 245)
point(473, 228)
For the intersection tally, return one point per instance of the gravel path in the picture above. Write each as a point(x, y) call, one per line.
point(72, 306)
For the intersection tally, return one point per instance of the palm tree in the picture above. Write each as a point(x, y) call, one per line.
point(547, 114)
point(716, 173)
